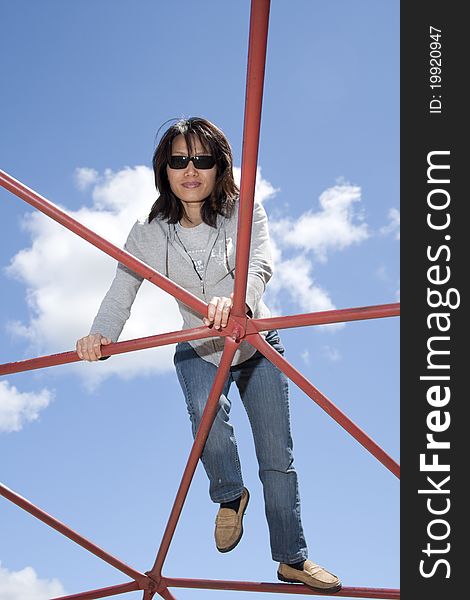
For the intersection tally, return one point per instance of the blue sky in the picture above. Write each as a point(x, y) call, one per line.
point(86, 85)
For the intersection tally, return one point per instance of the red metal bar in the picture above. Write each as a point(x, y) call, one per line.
point(207, 419)
point(54, 212)
point(329, 316)
point(280, 588)
point(259, 20)
point(113, 590)
point(140, 578)
point(304, 384)
point(144, 343)
point(319, 318)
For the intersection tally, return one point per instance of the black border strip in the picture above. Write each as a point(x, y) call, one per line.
point(433, 254)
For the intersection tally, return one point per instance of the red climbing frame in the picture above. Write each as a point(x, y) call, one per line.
point(239, 328)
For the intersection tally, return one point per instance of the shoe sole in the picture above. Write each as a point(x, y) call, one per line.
point(235, 543)
point(331, 590)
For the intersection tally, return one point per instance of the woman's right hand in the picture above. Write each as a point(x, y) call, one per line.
point(89, 347)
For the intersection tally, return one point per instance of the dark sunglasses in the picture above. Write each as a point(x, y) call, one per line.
point(199, 162)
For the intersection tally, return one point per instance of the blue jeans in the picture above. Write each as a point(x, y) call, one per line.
point(264, 392)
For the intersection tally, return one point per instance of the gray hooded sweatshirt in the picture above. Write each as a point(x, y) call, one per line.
point(158, 245)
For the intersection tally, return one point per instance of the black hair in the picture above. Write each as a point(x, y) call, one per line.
point(225, 193)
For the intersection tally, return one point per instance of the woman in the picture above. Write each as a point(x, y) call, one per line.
point(190, 237)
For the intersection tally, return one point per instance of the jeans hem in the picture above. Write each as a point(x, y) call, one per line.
point(291, 559)
point(229, 497)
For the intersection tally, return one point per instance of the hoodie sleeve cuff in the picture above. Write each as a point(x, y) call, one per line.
point(254, 291)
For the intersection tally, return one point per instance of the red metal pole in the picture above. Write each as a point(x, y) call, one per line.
point(329, 316)
point(113, 590)
point(259, 20)
point(207, 419)
point(141, 578)
point(52, 211)
point(280, 588)
point(319, 318)
point(304, 384)
point(144, 343)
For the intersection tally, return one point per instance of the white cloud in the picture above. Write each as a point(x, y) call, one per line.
point(337, 225)
point(26, 585)
point(264, 190)
point(294, 276)
point(393, 226)
point(18, 408)
point(84, 177)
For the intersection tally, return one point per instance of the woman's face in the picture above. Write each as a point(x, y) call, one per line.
point(190, 185)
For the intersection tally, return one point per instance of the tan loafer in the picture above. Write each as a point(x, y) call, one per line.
point(312, 575)
point(229, 525)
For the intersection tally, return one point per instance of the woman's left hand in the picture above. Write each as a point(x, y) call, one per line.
point(218, 311)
